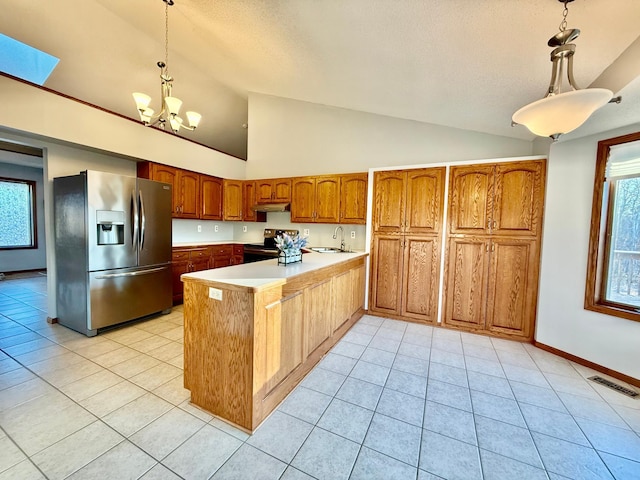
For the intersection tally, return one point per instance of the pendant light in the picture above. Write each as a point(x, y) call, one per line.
point(170, 105)
point(561, 111)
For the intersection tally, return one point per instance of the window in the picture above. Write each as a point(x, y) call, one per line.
point(22, 61)
point(613, 274)
point(18, 218)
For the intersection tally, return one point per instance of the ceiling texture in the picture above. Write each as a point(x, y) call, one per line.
point(466, 64)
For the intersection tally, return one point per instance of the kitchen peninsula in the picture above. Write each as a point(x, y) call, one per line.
point(253, 331)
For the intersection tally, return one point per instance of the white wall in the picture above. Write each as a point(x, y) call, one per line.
point(289, 137)
point(32, 258)
point(563, 322)
point(31, 111)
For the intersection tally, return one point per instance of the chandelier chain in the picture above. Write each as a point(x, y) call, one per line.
point(565, 12)
point(166, 36)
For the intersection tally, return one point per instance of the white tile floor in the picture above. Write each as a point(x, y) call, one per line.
point(392, 400)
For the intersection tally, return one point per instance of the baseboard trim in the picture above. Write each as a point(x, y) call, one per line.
point(586, 363)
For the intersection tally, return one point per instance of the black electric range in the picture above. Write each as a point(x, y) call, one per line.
point(254, 252)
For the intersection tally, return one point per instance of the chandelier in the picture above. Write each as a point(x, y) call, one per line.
point(170, 104)
point(561, 111)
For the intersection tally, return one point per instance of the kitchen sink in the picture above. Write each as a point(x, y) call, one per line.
point(326, 249)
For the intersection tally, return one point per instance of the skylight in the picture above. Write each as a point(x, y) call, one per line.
point(22, 61)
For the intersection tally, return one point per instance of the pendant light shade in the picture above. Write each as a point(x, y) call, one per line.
point(555, 115)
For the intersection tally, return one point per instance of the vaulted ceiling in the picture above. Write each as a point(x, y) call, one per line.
point(459, 63)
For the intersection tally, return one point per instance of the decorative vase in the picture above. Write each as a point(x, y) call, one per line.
point(289, 256)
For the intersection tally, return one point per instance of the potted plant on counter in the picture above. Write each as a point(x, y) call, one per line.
point(290, 248)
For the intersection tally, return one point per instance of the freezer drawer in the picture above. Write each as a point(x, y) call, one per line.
point(126, 294)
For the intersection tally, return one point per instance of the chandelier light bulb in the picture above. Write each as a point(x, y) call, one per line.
point(142, 100)
point(173, 105)
point(193, 118)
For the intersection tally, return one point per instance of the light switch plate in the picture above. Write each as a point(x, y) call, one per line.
point(215, 293)
point(199, 228)
point(244, 229)
point(305, 232)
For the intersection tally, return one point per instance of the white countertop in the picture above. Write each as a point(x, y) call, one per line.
point(267, 272)
point(206, 244)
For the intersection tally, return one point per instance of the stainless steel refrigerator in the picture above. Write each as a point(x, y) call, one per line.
point(113, 249)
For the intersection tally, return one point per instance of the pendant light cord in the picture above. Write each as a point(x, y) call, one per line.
point(166, 37)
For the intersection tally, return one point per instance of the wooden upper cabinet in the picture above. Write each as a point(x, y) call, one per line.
point(303, 199)
point(470, 199)
point(166, 174)
point(388, 191)
point(232, 204)
point(248, 200)
point(424, 200)
point(518, 202)
point(327, 199)
point(409, 201)
point(500, 199)
point(282, 190)
point(189, 194)
point(353, 198)
point(273, 190)
point(212, 191)
point(315, 199)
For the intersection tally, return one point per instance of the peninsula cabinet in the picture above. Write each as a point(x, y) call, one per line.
point(232, 204)
point(493, 248)
point(185, 187)
point(406, 243)
point(273, 190)
point(250, 344)
point(353, 198)
point(211, 190)
point(315, 199)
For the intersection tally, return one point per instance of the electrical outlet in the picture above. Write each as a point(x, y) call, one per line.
point(215, 228)
point(199, 228)
point(305, 232)
point(244, 229)
point(353, 234)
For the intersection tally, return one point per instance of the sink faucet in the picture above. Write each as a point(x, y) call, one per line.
point(335, 235)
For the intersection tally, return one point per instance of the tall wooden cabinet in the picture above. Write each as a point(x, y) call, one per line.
point(493, 247)
point(407, 226)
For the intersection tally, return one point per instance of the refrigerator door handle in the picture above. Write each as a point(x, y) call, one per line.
point(142, 219)
point(135, 220)
point(131, 274)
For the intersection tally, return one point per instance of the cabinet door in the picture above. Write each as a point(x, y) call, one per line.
point(512, 287)
point(470, 198)
point(358, 281)
point(420, 278)
point(327, 200)
point(424, 201)
point(466, 287)
point(303, 200)
point(284, 339)
point(248, 200)
point(232, 200)
point(189, 194)
point(166, 174)
point(518, 199)
point(179, 264)
point(386, 271)
point(317, 319)
point(353, 198)
point(388, 191)
point(281, 190)
point(342, 294)
point(211, 188)
point(264, 191)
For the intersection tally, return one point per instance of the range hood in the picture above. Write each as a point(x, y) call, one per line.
point(271, 207)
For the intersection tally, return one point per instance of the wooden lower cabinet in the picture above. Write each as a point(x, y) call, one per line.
point(404, 278)
point(243, 354)
point(492, 285)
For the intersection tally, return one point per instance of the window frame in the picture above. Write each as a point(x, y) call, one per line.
point(34, 214)
point(599, 241)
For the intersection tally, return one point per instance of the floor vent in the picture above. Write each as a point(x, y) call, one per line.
point(614, 386)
